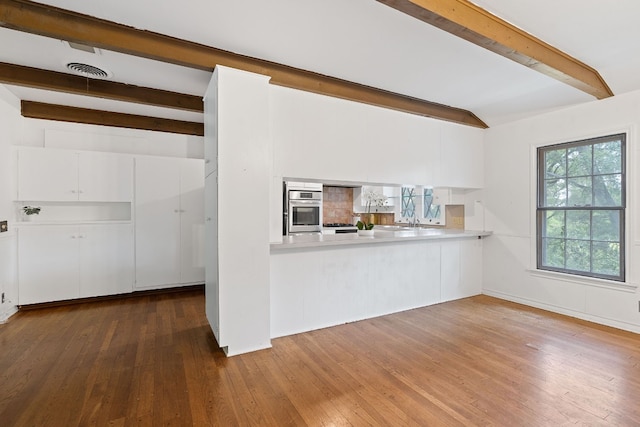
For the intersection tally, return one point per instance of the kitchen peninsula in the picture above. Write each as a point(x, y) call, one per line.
point(261, 284)
point(326, 280)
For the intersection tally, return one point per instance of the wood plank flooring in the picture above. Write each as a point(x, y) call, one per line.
point(153, 361)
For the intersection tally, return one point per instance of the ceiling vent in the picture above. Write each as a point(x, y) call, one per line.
point(82, 47)
point(87, 70)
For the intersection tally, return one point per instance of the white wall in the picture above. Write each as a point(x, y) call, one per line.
point(509, 211)
point(10, 122)
point(77, 136)
point(327, 139)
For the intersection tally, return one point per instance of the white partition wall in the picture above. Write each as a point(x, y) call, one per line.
point(238, 298)
point(323, 138)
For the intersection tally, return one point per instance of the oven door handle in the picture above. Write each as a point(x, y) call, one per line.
point(305, 202)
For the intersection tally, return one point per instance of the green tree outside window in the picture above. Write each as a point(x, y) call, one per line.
point(581, 207)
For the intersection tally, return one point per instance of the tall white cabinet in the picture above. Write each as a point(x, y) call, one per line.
point(169, 222)
point(81, 244)
point(238, 183)
point(110, 223)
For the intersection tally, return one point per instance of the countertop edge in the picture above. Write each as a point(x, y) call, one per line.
point(332, 240)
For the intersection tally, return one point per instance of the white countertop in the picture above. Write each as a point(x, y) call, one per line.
point(379, 236)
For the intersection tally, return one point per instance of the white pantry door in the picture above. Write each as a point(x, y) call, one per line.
point(192, 220)
point(157, 221)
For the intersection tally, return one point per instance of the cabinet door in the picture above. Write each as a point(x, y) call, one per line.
point(470, 267)
point(450, 288)
point(157, 221)
point(461, 269)
point(191, 221)
point(105, 177)
point(47, 175)
point(106, 259)
point(462, 164)
point(211, 253)
point(211, 128)
point(47, 263)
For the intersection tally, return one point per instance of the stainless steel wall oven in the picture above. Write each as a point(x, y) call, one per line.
point(303, 211)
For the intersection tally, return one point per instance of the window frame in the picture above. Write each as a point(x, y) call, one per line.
point(406, 200)
point(541, 209)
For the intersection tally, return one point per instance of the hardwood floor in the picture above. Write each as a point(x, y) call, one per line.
point(153, 361)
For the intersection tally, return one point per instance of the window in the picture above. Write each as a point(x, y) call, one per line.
point(430, 210)
point(407, 202)
point(581, 207)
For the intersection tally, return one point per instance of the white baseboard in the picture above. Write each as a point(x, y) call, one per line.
point(7, 314)
point(561, 310)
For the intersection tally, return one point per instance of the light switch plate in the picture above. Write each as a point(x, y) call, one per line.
point(3, 226)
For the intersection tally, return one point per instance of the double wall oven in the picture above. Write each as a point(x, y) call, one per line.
point(303, 208)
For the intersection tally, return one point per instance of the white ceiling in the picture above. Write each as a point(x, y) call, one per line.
point(357, 40)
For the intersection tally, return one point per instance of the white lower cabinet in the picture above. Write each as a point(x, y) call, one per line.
point(61, 262)
point(106, 260)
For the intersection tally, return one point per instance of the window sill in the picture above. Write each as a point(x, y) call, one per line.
point(588, 281)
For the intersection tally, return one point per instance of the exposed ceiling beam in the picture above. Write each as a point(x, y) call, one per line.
point(66, 25)
point(472, 23)
point(39, 110)
point(68, 83)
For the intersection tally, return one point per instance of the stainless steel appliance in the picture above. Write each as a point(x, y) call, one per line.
point(304, 211)
point(340, 227)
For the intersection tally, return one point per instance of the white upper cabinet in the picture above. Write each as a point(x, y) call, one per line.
point(47, 175)
point(68, 176)
point(462, 157)
point(105, 177)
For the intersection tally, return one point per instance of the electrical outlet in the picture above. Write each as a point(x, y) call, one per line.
point(4, 226)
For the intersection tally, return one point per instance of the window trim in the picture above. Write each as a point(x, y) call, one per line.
point(541, 209)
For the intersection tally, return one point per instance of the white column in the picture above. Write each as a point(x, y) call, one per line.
point(238, 294)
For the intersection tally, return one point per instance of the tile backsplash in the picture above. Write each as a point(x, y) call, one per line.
point(337, 204)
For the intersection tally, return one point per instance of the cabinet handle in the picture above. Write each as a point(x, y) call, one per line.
point(81, 236)
point(80, 191)
point(207, 160)
point(176, 210)
point(73, 191)
point(73, 237)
